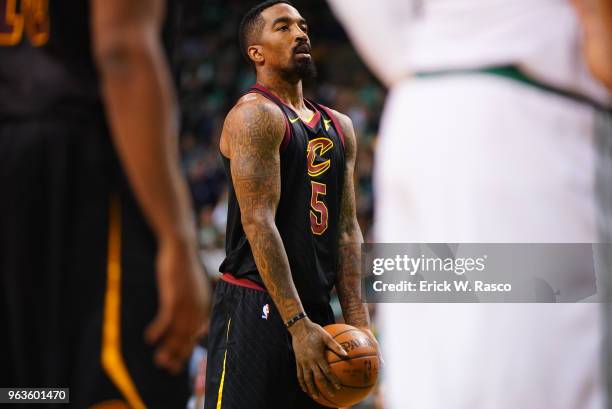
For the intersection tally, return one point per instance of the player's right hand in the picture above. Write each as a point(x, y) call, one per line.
point(309, 344)
point(184, 304)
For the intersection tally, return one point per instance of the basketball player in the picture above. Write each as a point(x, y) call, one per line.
point(292, 232)
point(97, 243)
point(488, 135)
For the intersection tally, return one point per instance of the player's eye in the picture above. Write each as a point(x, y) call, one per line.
point(283, 28)
point(304, 29)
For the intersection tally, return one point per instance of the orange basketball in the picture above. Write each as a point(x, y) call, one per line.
point(357, 373)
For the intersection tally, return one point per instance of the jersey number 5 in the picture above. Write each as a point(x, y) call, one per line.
point(318, 210)
point(24, 16)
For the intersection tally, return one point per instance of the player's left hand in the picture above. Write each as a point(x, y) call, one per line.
point(184, 303)
point(310, 341)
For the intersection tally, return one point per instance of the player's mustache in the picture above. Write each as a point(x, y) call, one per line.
point(301, 48)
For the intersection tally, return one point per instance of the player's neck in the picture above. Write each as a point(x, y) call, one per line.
point(288, 92)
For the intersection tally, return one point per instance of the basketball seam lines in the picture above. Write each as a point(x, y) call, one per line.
point(364, 355)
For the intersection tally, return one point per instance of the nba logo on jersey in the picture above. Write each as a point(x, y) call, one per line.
point(265, 311)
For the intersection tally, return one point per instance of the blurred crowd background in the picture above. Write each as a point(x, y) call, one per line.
point(211, 75)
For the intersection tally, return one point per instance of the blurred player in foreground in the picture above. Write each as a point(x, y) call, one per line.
point(489, 135)
point(89, 262)
point(292, 232)
point(596, 16)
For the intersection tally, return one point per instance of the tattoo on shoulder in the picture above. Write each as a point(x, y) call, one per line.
point(255, 133)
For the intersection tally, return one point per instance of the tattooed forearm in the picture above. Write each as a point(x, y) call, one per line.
point(255, 132)
point(348, 283)
point(355, 312)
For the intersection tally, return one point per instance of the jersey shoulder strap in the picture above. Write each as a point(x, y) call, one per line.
point(332, 116)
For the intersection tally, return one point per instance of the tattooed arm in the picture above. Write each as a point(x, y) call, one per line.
point(255, 131)
point(348, 283)
point(252, 135)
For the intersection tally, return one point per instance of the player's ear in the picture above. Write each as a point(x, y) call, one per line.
point(256, 53)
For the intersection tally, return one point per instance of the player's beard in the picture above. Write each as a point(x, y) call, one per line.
point(305, 68)
point(302, 69)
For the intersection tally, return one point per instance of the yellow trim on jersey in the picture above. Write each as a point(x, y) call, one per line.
point(112, 358)
point(327, 122)
point(110, 404)
point(220, 394)
point(311, 116)
point(294, 120)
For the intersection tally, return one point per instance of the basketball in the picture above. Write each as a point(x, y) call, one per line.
point(357, 373)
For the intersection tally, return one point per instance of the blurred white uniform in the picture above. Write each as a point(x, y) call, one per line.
point(482, 158)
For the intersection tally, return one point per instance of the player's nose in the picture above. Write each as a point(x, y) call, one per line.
point(300, 35)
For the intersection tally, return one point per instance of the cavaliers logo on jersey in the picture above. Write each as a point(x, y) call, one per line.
point(317, 163)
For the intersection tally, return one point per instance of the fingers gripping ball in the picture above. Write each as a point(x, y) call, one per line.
point(357, 373)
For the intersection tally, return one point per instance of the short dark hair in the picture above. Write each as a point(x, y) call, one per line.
point(252, 23)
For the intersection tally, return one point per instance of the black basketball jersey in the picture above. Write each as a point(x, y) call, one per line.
point(46, 66)
point(308, 213)
point(46, 63)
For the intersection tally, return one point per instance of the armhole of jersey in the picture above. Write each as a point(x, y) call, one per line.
point(287, 136)
point(288, 131)
point(335, 122)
